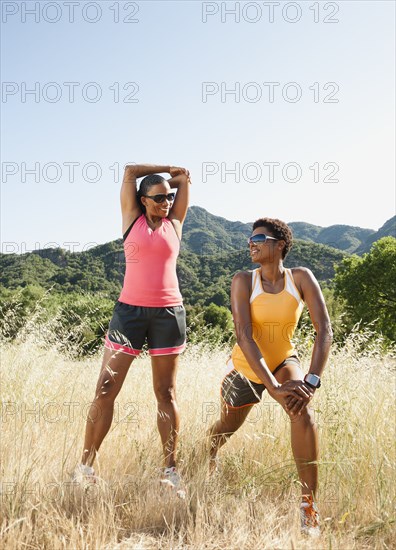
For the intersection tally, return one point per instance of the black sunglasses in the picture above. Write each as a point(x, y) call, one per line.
point(260, 238)
point(161, 197)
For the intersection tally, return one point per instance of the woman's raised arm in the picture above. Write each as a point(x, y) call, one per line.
point(130, 207)
point(181, 181)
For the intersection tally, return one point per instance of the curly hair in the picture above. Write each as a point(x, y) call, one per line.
point(280, 230)
point(145, 186)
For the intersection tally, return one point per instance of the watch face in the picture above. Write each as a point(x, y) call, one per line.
point(313, 380)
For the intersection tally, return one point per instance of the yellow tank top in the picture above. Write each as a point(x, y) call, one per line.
point(274, 320)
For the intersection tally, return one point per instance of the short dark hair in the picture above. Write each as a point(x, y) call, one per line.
point(145, 186)
point(280, 230)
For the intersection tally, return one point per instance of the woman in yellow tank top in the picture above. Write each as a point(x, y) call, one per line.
point(266, 306)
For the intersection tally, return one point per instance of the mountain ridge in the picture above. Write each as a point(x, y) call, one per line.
point(204, 232)
point(213, 250)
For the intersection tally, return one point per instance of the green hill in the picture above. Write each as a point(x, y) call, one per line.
point(204, 279)
point(343, 237)
point(213, 250)
point(207, 234)
point(305, 231)
point(387, 230)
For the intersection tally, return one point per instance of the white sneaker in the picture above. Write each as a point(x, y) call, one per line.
point(171, 479)
point(84, 475)
point(309, 515)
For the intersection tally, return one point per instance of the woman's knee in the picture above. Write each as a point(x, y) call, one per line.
point(232, 420)
point(222, 431)
point(165, 393)
point(306, 417)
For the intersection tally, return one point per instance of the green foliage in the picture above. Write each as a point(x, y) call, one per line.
point(80, 289)
point(209, 325)
point(74, 322)
point(367, 286)
point(336, 308)
point(220, 298)
point(93, 271)
point(17, 307)
point(218, 316)
point(213, 250)
point(26, 269)
point(319, 258)
point(83, 322)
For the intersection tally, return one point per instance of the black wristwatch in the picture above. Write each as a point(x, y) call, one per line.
point(313, 380)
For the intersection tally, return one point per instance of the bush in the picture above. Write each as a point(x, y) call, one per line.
point(74, 323)
point(367, 286)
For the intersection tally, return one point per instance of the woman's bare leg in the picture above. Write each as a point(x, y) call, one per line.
point(164, 368)
point(304, 437)
point(114, 369)
point(231, 419)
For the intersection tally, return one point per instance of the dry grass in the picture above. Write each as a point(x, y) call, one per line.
point(252, 503)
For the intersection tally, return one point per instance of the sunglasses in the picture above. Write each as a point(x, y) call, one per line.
point(161, 197)
point(260, 239)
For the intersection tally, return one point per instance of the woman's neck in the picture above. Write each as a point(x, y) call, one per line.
point(272, 273)
point(154, 221)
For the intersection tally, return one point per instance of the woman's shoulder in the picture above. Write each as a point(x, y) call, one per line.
point(244, 275)
point(139, 217)
point(241, 286)
point(300, 271)
point(302, 276)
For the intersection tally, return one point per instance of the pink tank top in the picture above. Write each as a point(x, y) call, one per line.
point(150, 276)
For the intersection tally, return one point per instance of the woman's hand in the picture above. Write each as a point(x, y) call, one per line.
point(293, 395)
point(177, 171)
point(179, 175)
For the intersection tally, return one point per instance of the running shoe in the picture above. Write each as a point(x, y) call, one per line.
point(309, 515)
point(84, 475)
point(170, 478)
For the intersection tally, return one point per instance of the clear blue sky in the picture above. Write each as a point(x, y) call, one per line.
point(169, 53)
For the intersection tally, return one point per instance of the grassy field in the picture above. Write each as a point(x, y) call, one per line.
point(251, 504)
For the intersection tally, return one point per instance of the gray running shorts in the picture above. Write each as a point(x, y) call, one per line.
point(238, 391)
point(164, 328)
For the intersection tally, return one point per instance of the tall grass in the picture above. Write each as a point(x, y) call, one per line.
point(251, 503)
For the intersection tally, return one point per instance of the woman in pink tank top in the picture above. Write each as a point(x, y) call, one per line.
point(149, 309)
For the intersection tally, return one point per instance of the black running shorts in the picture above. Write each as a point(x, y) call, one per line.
point(163, 327)
point(238, 391)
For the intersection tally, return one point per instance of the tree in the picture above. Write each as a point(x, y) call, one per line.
point(219, 298)
point(218, 316)
point(367, 286)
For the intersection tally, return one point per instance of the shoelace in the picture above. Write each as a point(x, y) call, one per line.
point(310, 514)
